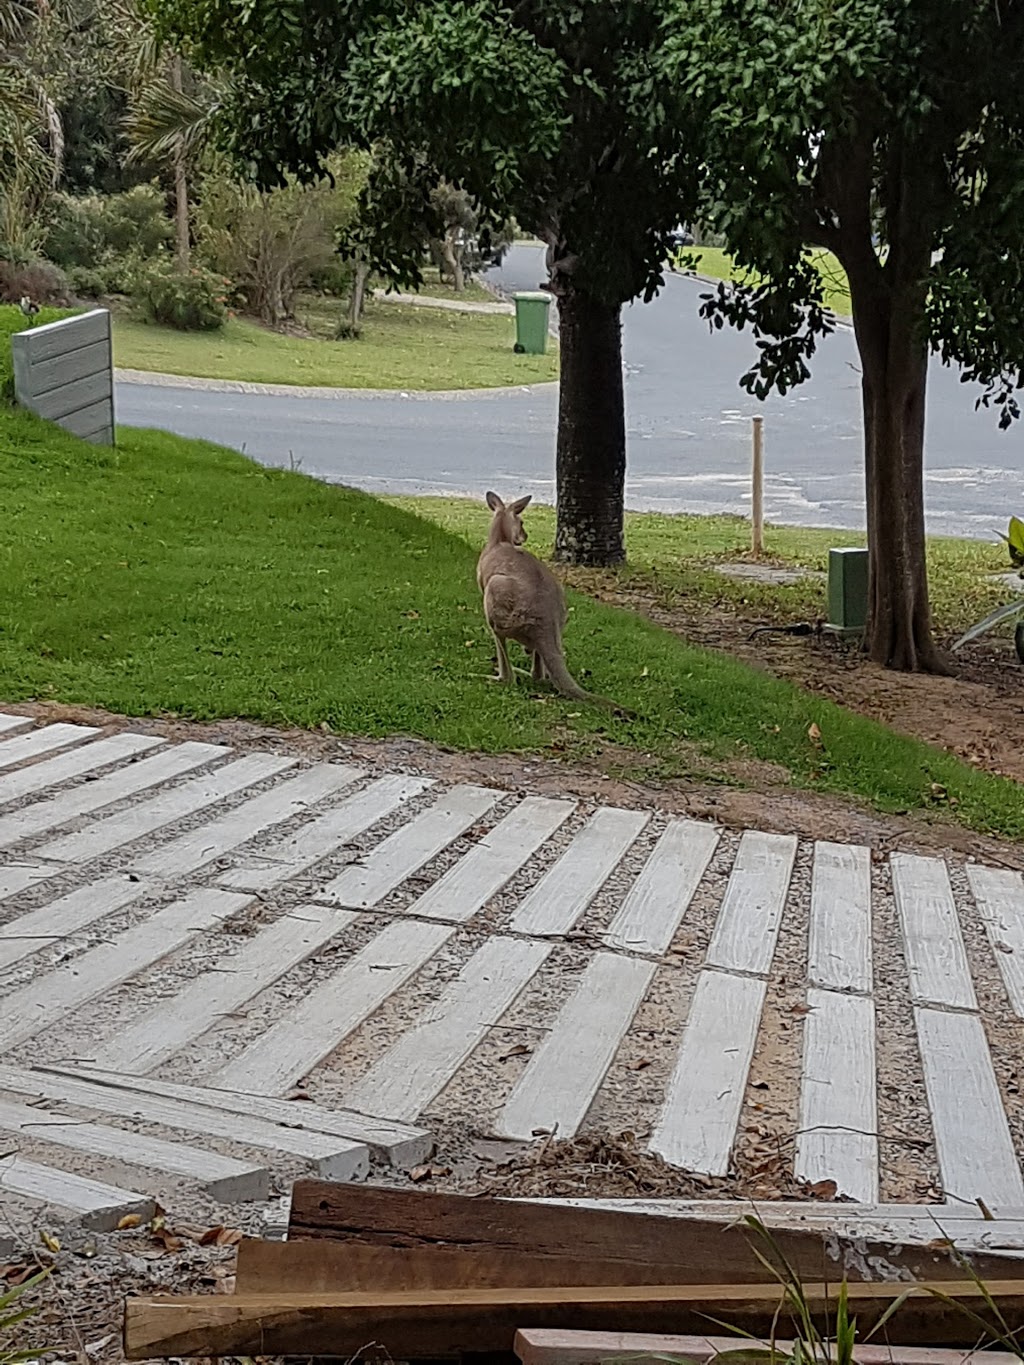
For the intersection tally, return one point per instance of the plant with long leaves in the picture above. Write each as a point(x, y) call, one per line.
point(12, 1315)
point(1009, 611)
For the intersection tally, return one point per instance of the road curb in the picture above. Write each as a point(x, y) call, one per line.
point(155, 379)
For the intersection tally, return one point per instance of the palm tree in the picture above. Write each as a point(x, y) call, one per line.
point(31, 135)
point(171, 114)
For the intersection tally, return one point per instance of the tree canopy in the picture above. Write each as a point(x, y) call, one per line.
point(892, 132)
point(546, 112)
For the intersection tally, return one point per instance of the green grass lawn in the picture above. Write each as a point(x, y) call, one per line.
point(719, 264)
point(402, 347)
point(170, 576)
point(432, 288)
point(674, 557)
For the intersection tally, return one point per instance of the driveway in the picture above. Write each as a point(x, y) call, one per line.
point(689, 429)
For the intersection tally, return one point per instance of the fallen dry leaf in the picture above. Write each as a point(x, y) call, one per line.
point(520, 1050)
point(428, 1172)
point(130, 1220)
point(641, 1064)
point(799, 1009)
point(50, 1242)
point(167, 1239)
point(220, 1236)
point(299, 1095)
point(814, 734)
point(823, 1189)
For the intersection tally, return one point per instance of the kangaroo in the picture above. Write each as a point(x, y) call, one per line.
point(524, 601)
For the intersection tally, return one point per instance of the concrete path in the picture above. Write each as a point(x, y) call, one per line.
point(188, 932)
point(689, 429)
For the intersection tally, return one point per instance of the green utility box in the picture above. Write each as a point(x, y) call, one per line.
point(847, 591)
point(532, 323)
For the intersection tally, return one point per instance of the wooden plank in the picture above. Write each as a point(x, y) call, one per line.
point(330, 1156)
point(654, 908)
point(313, 1028)
point(224, 988)
point(564, 892)
point(934, 947)
point(452, 1322)
point(77, 396)
point(19, 876)
point(8, 724)
point(93, 358)
point(145, 817)
point(751, 914)
point(221, 1177)
point(409, 848)
point(559, 1084)
point(839, 951)
point(69, 915)
point(631, 1234)
point(42, 740)
point(417, 1067)
point(65, 335)
point(62, 768)
point(892, 1224)
point(194, 850)
point(52, 811)
point(697, 1126)
point(319, 1265)
point(976, 1155)
point(326, 834)
point(400, 1143)
point(45, 1000)
point(999, 894)
point(540, 1347)
point(484, 870)
point(100, 1207)
point(838, 1134)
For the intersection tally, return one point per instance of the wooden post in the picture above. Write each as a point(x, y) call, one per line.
point(757, 489)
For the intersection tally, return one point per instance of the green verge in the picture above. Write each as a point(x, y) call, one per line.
point(720, 266)
point(674, 560)
point(173, 577)
point(402, 346)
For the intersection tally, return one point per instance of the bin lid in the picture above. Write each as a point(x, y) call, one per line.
point(533, 294)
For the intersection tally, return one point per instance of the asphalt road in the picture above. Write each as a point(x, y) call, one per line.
point(689, 429)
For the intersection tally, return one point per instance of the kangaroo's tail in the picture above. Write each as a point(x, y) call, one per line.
point(569, 687)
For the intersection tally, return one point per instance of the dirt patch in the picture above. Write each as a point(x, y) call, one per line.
point(977, 715)
point(764, 803)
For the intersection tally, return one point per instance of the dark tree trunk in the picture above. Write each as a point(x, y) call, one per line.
point(894, 363)
point(591, 452)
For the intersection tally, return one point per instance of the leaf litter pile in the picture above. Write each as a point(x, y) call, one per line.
point(606, 1167)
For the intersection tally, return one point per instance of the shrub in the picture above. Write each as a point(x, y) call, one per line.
point(194, 301)
point(41, 281)
point(273, 243)
point(91, 230)
point(86, 282)
point(13, 320)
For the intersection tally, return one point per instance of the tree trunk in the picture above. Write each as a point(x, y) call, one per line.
point(895, 372)
point(355, 302)
point(450, 250)
point(591, 451)
point(181, 233)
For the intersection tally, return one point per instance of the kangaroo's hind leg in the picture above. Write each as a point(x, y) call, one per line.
point(505, 672)
point(539, 671)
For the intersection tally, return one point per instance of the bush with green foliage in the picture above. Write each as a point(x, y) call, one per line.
point(14, 320)
point(273, 243)
point(42, 282)
point(191, 301)
point(89, 230)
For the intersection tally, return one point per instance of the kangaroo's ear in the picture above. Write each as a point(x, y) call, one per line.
point(521, 504)
point(494, 502)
